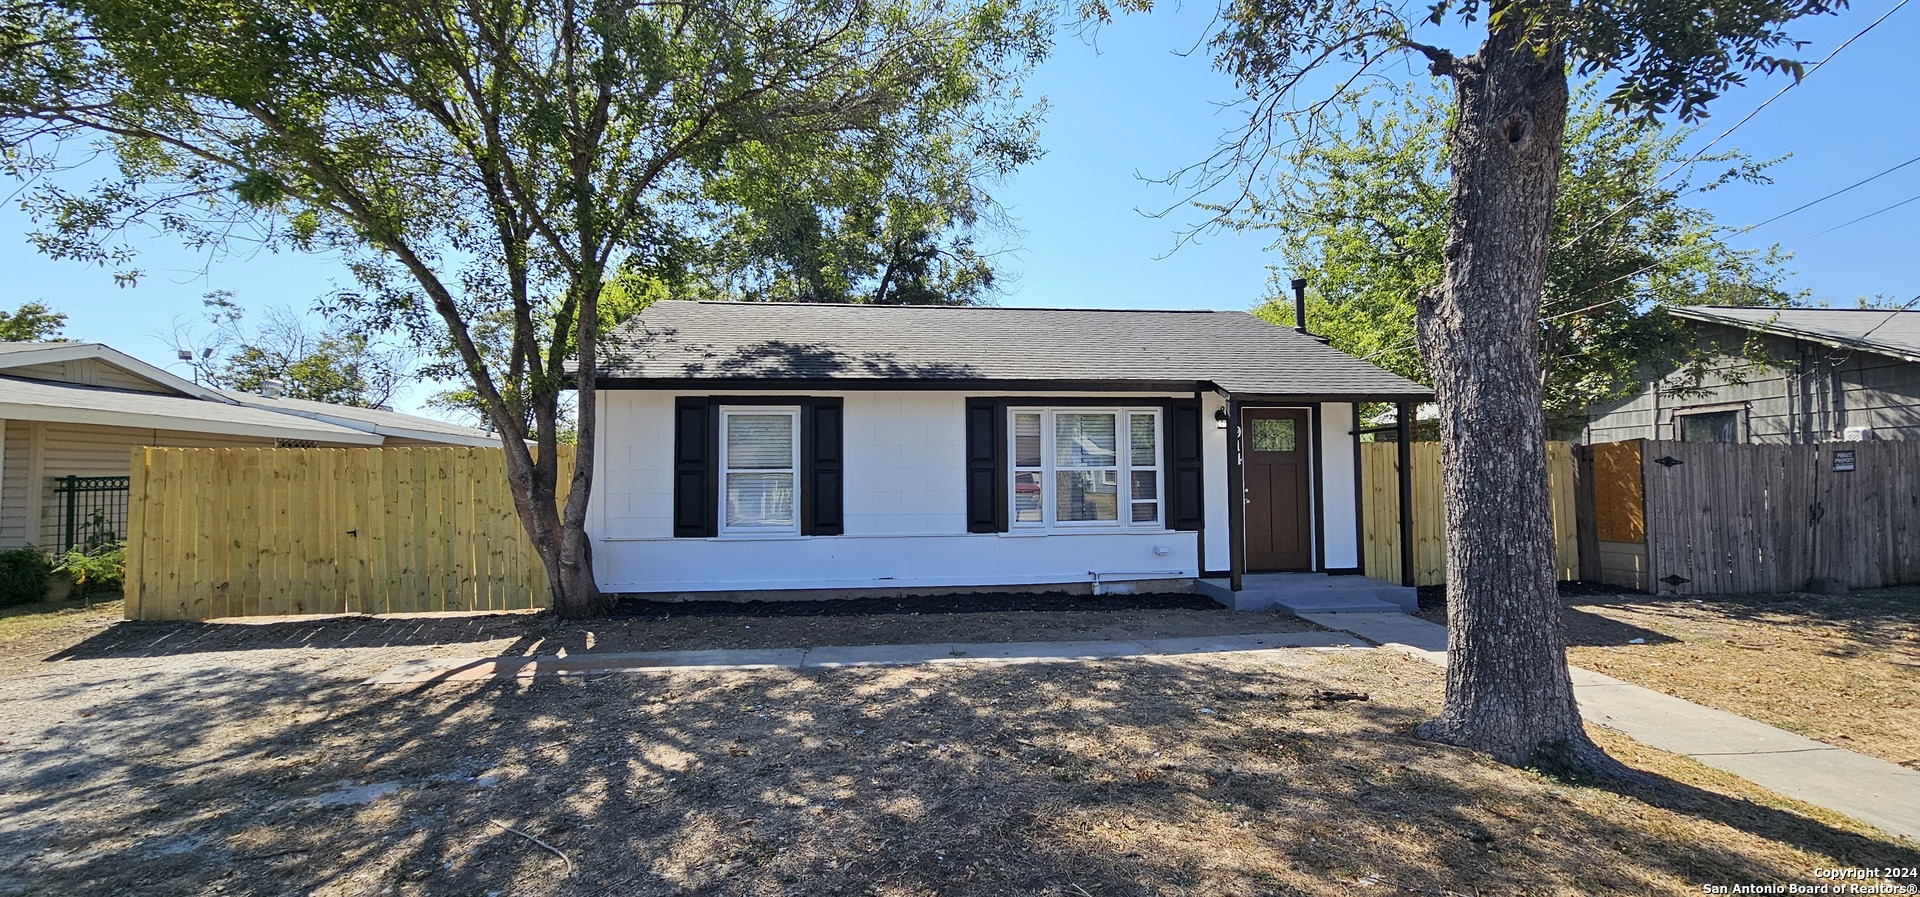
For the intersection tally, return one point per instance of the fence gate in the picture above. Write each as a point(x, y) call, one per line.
point(93, 511)
point(1733, 519)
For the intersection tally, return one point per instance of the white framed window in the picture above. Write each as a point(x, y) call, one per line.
point(1084, 468)
point(759, 469)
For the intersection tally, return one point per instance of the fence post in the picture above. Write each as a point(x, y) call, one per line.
point(72, 487)
point(1403, 425)
point(1585, 513)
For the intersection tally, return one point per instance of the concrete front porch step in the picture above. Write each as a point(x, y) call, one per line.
point(1304, 593)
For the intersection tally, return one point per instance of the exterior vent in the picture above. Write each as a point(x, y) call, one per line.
point(274, 388)
point(295, 443)
point(1858, 434)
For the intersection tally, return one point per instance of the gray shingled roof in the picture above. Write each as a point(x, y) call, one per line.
point(1895, 333)
point(766, 341)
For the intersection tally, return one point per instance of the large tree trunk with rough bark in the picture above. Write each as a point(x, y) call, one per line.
point(1508, 691)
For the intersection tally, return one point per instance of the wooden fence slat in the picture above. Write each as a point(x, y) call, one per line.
point(269, 531)
point(1379, 481)
point(1734, 519)
point(137, 531)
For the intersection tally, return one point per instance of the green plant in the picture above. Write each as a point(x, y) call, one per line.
point(97, 532)
point(94, 569)
point(23, 576)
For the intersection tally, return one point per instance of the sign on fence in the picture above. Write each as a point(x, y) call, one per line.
point(1733, 519)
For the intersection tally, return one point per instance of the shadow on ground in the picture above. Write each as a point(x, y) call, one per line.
point(135, 638)
point(1117, 778)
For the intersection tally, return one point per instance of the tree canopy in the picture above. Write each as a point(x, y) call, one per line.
point(1479, 328)
point(1362, 215)
point(337, 365)
point(486, 168)
point(32, 323)
point(907, 218)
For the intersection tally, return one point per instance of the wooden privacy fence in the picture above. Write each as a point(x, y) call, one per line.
point(219, 532)
point(1380, 512)
point(1731, 519)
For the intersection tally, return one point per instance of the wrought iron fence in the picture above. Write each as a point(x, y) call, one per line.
point(93, 511)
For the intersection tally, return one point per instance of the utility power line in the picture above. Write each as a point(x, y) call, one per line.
point(1859, 183)
point(1864, 217)
point(1701, 153)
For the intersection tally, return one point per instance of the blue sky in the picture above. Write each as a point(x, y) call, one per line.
point(1127, 108)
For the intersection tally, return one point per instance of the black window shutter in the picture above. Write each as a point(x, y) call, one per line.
point(986, 467)
point(1184, 465)
point(695, 502)
point(823, 468)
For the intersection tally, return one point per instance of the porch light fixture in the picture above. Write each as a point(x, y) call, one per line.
point(1220, 418)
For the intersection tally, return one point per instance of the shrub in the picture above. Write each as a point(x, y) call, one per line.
point(23, 576)
point(101, 567)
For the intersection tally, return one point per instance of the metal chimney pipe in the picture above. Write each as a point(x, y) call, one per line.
point(1300, 305)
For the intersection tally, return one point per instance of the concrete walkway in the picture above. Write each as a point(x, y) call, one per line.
point(1881, 794)
point(419, 672)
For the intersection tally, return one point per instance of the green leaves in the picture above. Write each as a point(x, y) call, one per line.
point(32, 323)
point(1363, 217)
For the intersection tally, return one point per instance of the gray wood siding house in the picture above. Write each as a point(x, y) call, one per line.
point(1830, 374)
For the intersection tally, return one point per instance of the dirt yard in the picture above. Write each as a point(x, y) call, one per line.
point(193, 759)
point(1843, 669)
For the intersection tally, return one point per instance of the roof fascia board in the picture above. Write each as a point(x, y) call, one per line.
point(1253, 398)
point(431, 436)
point(1779, 329)
point(140, 421)
point(968, 385)
point(682, 384)
point(54, 353)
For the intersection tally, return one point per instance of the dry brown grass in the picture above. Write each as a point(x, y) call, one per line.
point(29, 630)
point(247, 767)
point(1840, 669)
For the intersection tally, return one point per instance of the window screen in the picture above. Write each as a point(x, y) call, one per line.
point(761, 464)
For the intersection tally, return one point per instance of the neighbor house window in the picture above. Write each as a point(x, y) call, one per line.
point(759, 463)
point(1085, 468)
point(1714, 426)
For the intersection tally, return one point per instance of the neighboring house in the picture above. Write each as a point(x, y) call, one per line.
point(77, 410)
point(1829, 374)
point(769, 446)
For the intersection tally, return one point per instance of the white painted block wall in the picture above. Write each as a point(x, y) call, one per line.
point(1338, 470)
point(904, 505)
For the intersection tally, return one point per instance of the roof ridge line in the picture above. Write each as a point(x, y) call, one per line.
point(869, 305)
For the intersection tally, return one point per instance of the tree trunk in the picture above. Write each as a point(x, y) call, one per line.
point(576, 596)
point(1508, 691)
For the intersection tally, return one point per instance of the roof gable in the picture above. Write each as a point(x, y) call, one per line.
point(944, 347)
point(81, 382)
point(95, 364)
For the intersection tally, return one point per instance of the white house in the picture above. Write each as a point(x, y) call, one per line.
point(71, 414)
point(755, 447)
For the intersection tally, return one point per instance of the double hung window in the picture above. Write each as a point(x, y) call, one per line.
point(760, 464)
point(1085, 468)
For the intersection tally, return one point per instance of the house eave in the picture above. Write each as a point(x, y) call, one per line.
point(148, 421)
point(1778, 329)
point(777, 384)
point(58, 352)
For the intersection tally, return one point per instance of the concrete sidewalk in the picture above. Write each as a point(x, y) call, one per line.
point(419, 672)
point(1878, 793)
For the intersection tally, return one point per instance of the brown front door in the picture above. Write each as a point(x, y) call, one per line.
point(1279, 499)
